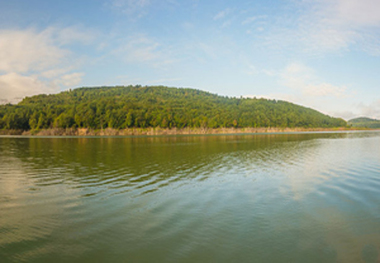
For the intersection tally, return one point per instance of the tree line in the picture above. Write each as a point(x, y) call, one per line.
point(156, 106)
point(364, 122)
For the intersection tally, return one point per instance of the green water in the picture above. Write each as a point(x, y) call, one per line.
point(246, 198)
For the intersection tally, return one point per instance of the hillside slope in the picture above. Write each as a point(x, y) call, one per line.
point(364, 122)
point(136, 106)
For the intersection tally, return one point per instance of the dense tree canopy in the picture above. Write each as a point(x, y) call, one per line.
point(364, 123)
point(137, 106)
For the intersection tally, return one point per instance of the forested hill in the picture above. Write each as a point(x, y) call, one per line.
point(364, 122)
point(136, 106)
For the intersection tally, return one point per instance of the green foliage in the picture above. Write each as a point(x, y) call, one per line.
point(364, 123)
point(136, 106)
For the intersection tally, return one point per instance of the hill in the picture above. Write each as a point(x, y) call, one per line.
point(137, 106)
point(364, 122)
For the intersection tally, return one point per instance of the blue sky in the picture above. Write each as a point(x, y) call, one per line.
point(323, 54)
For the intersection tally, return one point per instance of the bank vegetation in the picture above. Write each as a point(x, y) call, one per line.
point(139, 110)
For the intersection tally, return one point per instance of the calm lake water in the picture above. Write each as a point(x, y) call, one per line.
point(245, 198)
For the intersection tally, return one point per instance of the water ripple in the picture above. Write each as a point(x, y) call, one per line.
point(275, 198)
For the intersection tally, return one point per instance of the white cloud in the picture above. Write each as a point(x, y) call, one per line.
point(226, 23)
point(74, 34)
point(37, 61)
point(70, 80)
point(130, 4)
point(25, 50)
point(53, 73)
point(135, 8)
point(188, 26)
point(252, 19)
point(325, 89)
point(320, 27)
point(331, 25)
point(371, 110)
point(249, 20)
point(142, 49)
point(14, 87)
point(269, 72)
point(207, 50)
point(222, 14)
point(252, 70)
point(359, 12)
point(346, 115)
point(303, 79)
point(301, 85)
point(163, 81)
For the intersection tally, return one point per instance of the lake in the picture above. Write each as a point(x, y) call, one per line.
point(312, 197)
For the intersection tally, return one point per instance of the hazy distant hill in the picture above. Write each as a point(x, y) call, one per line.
point(364, 122)
point(136, 106)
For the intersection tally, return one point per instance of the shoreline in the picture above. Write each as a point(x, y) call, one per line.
point(173, 131)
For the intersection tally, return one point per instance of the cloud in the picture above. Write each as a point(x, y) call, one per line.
point(330, 25)
point(226, 23)
point(133, 9)
point(37, 61)
point(320, 27)
point(130, 6)
point(25, 50)
point(303, 79)
point(14, 87)
point(252, 70)
point(269, 72)
point(137, 9)
point(358, 12)
point(222, 14)
point(346, 115)
point(164, 81)
point(252, 19)
point(141, 49)
point(300, 84)
point(325, 89)
point(371, 110)
point(74, 34)
point(53, 73)
point(32, 50)
point(70, 80)
point(249, 20)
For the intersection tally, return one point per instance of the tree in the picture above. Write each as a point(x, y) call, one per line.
point(137, 106)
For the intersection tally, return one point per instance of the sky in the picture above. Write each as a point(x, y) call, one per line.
point(322, 54)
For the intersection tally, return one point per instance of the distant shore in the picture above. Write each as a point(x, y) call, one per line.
point(161, 131)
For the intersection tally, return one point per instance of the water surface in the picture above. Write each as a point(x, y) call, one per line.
point(236, 198)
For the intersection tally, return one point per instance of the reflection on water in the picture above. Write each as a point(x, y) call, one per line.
point(262, 198)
